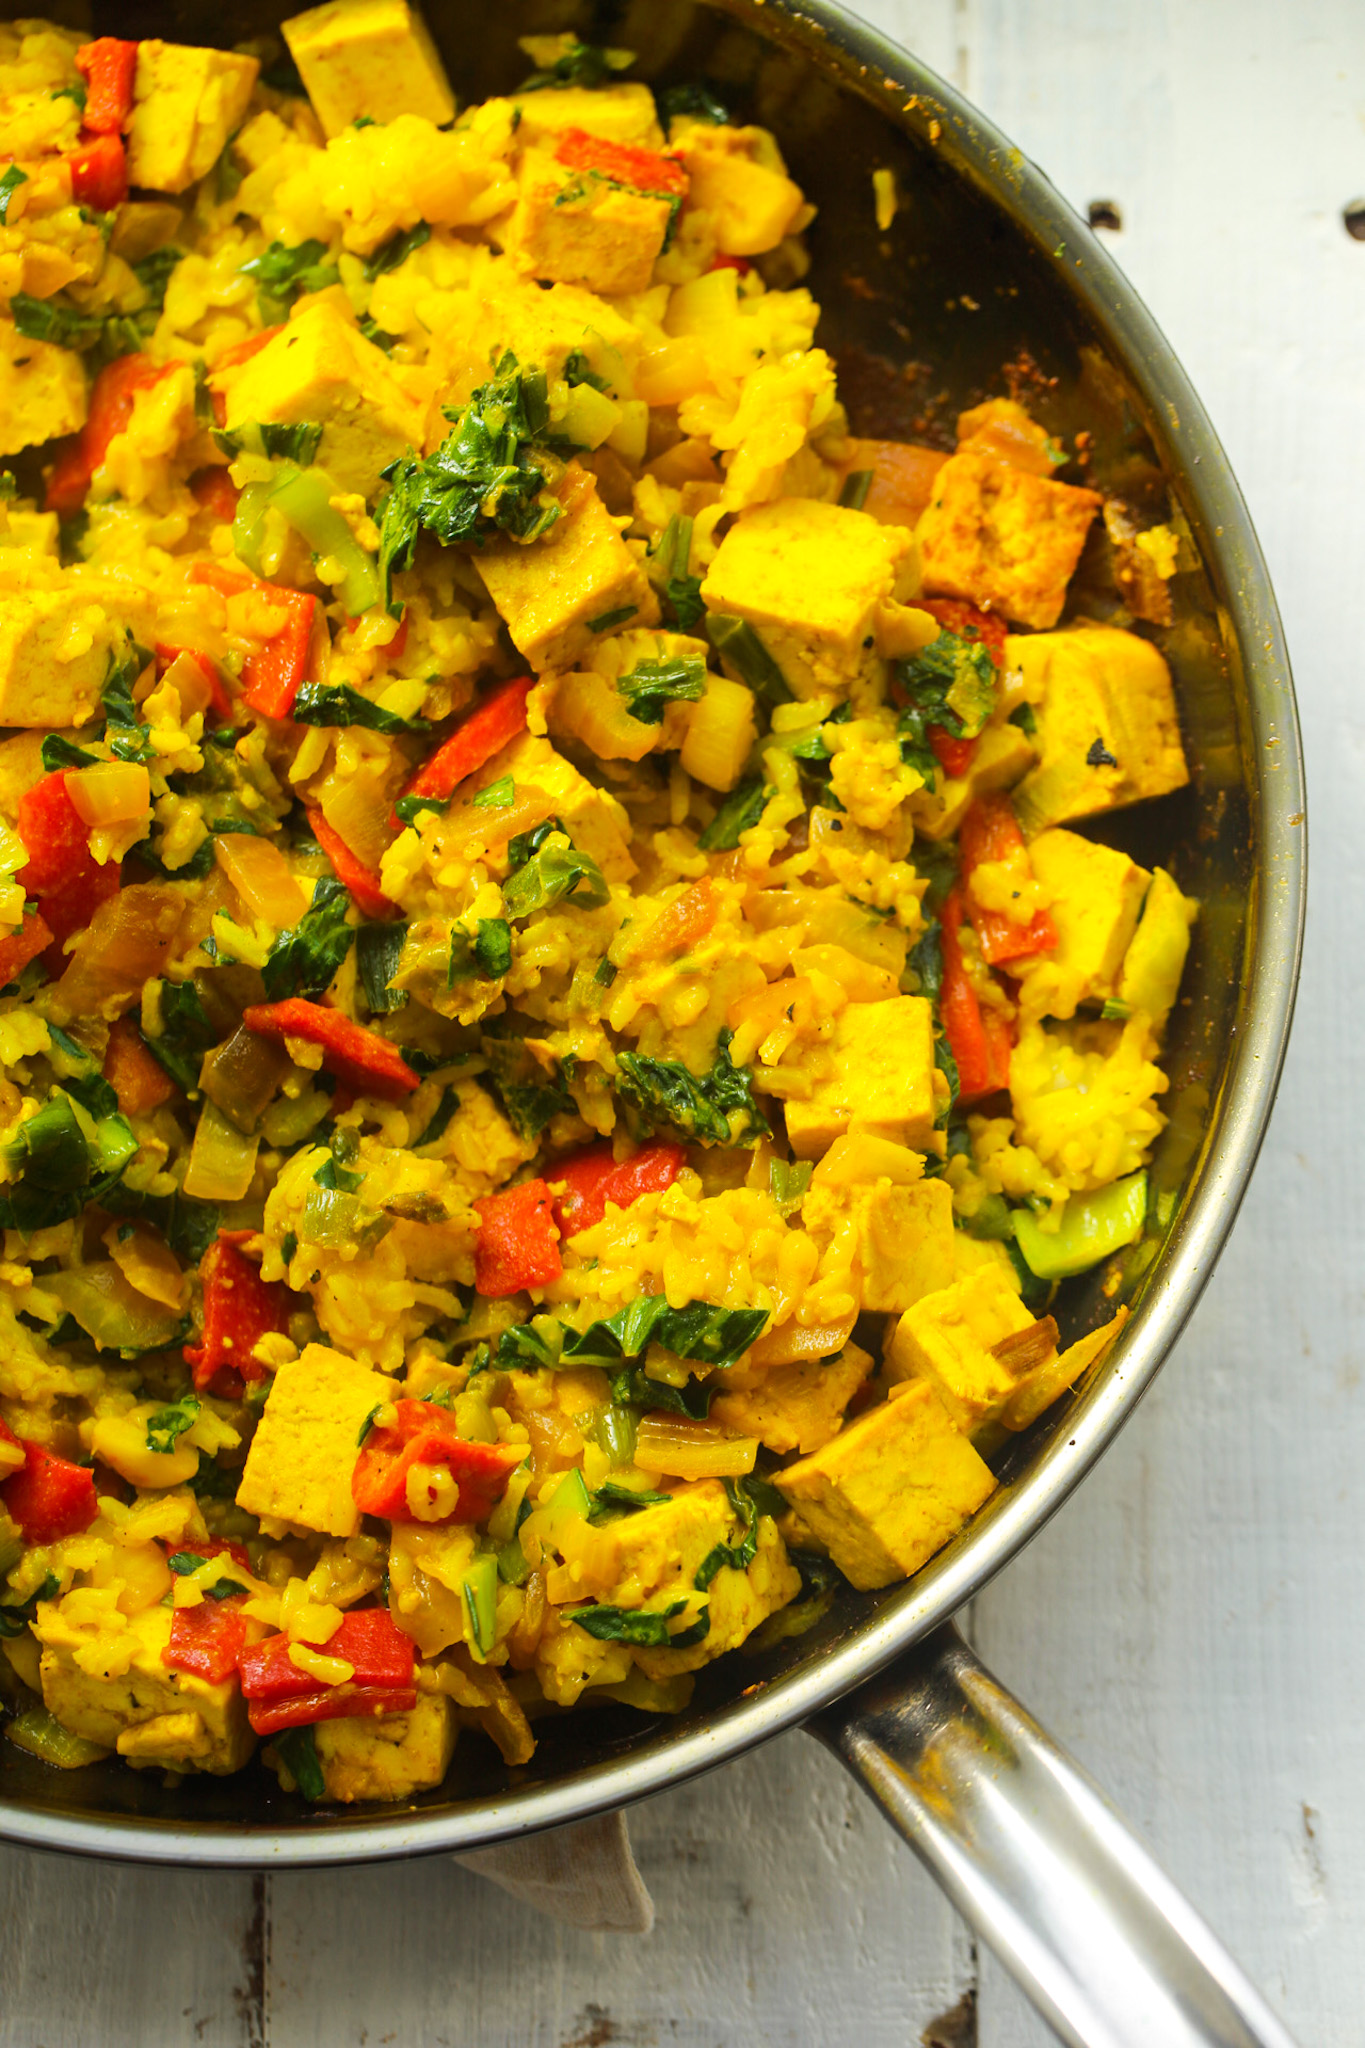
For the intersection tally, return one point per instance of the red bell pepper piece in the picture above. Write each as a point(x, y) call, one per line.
point(99, 172)
point(739, 263)
point(279, 1695)
point(220, 704)
point(140, 1082)
point(48, 1497)
point(109, 68)
point(592, 1179)
point(214, 489)
point(272, 676)
point(423, 1434)
point(361, 1060)
point(32, 937)
point(111, 407)
point(486, 731)
point(352, 873)
point(979, 1042)
point(644, 170)
point(990, 831)
point(61, 872)
point(517, 1244)
point(207, 1640)
point(239, 1309)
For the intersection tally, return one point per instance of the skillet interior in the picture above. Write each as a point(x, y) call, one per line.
point(983, 267)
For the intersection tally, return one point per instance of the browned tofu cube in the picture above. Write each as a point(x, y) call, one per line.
point(1002, 538)
point(557, 594)
point(576, 228)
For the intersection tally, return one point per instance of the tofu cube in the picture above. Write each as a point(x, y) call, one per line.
point(104, 1679)
point(948, 1339)
point(1002, 538)
point(737, 1603)
point(615, 113)
point(879, 1077)
point(187, 102)
point(575, 228)
point(1003, 754)
point(891, 1489)
point(304, 1451)
point(1096, 894)
point(811, 578)
point(753, 205)
point(321, 368)
point(56, 643)
point(594, 819)
point(550, 593)
point(903, 1234)
point(794, 1407)
point(648, 1558)
point(42, 391)
point(720, 734)
point(1108, 734)
point(389, 1756)
point(1155, 960)
point(372, 57)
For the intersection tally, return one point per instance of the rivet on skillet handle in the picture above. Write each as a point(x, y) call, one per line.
point(1036, 1859)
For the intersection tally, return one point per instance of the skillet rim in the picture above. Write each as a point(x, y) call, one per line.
point(917, 100)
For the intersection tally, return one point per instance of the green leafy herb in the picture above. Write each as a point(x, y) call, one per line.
point(485, 477)
point(281, 273)
point(950, 683)
point(368, 1424)
point(611, 1500)
point(1099, 756)
point(293, 443)
point(186, 1033)
point(736, 1556)
point(15, 1619)
point(646, 1627)
point(651, 686)
point(633, 1388)
point(695, 99)
point(947, 1066)
point(9, 184)
point(605, 973)
point(55, 320)
point(740, 647)
point(79, 1073)
point(493, 947)
point(530, 1096)
point(1115, 1012)
point(926, 961)
point(167, 1425)
point(58, 1159)
point(702, 1331)
point(606, 622)
point(856, 486)
point(578, 370)
point(60, 753)
point(586, 64)
point(681, 590)
point(372, 331)
point(117, 693)
point(297, 1750)
point(339, 704)
point(212, 1481)
point(740, 811)
point(396, 250)
point(712, 1109)
point(440, 1121)
point(189, 1227)
point(378, 949)
point(498, 796)
point(304, 960)
point(1026, 718)
point(186, 1562)
point(410, 808)
point(551, 874)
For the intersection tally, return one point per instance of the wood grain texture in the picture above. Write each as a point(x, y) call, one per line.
point(1191, 1626)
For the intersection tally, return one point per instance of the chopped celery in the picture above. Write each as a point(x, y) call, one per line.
point(304, 497)
point(334, 1217)
point(571, 1503)
point(1092, 1226)
point(480, 1588)
point(42, 1735)
point(512, 1564)
point(111, 1311)
point(248, 525)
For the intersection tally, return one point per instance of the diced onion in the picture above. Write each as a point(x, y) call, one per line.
point(692, 1450)
point(147, 1262)
point(792, 1341)
point(111, 792)
point(190, 683)
point(222, 1159)
point(260, 874)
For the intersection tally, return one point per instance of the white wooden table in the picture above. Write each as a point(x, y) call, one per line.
point(1191, 1625)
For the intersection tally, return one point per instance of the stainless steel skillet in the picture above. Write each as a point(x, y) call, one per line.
point(983, 266)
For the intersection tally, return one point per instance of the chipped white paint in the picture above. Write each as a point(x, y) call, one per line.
point(1191, 1626)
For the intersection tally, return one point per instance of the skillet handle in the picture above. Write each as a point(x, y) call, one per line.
point(1036, 1859)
